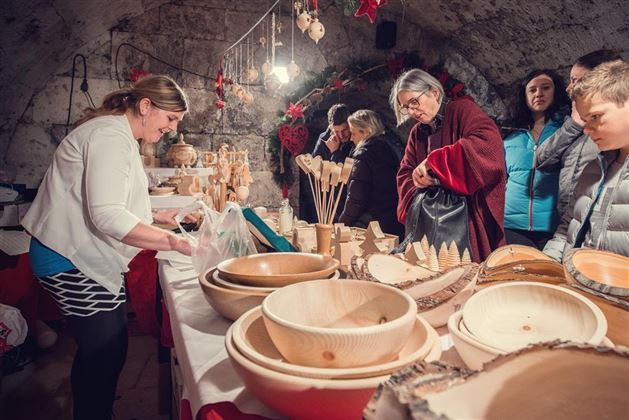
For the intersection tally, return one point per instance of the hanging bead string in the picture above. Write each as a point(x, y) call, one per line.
point(253, 27)
point(272, 41)
point(268, 41)
point(292, 33)
point(240, 73)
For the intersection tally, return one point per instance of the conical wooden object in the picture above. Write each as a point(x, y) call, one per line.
point(433, 260)
point(465, 258)
point(443, 255)
point(425, 245)
point(454, 258)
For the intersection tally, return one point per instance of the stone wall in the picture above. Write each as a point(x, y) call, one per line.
point(191, 35)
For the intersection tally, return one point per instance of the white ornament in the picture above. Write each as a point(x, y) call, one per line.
point(266, 68)
point(252, 74)
point(303, 21)
point(293, 70)
point(316, 30)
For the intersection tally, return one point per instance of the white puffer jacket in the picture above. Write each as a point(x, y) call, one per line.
point(611, 235)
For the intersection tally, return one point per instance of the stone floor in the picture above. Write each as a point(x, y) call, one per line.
point(42, 388)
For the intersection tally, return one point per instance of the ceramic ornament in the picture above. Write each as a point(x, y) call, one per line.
point(252, 74)
point(303, 21)
point(433, 260)
point(247, 98)
point(272, 83)
point(266, 68)
point(316, 30)
point(293, 70)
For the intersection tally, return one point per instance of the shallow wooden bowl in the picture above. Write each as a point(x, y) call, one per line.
point(302, 398)
point(337, 324)
point(252, 339)
point(277, 269)
point(473, 353)
point(520, 263)
point(230, 284)
point(559, 381)
point(510, 316)
point(162, 190)
point(388, 269)
point(228, 302)
point(513, 253)
point(602, 271)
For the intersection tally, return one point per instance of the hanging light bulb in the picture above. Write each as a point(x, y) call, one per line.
point(293, 70)
point(303, 21)
point(316, 30)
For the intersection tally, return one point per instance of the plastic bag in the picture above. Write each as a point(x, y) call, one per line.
point(13, 328)
point(221, 236)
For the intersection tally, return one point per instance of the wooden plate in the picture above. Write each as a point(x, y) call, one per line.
point(602, 271)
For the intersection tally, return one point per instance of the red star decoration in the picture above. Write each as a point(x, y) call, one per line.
point(369, 8)
point(295, 111)
point(220, 104)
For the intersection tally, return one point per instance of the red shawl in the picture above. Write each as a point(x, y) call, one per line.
point(467, 156)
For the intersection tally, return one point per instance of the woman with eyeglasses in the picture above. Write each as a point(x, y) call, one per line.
point(456, 145)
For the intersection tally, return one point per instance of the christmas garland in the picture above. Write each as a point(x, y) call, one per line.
point(361, 76)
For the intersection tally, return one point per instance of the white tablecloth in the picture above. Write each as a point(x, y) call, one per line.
point(199, 334)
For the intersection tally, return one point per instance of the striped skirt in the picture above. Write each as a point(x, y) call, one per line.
point(79, 295)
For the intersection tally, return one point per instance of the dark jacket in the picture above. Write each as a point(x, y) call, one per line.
point(371, 188)
point(320, 149)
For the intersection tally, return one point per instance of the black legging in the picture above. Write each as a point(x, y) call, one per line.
point(102, 349)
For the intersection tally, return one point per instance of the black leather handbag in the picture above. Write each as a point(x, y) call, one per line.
point(440, 215)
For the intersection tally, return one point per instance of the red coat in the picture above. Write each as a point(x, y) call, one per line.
point(466, 154)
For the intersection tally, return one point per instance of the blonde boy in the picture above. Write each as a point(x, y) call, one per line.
point(598, 216)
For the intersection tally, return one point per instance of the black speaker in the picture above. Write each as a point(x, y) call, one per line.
point(386, 33)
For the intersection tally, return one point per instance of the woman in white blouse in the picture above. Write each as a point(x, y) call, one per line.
point(91, 216)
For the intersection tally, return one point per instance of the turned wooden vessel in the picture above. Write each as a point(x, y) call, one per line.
point(230, 303)
point(181, 153)
point(521, 263)
point(510, 316)
point(277, 269)
point(252, 339)
point(349, 323)
point(601, 271)
point(550, 381)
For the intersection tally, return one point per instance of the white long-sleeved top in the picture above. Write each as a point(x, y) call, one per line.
point(94, 192)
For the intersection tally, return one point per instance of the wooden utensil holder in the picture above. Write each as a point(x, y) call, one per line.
point(324, 238)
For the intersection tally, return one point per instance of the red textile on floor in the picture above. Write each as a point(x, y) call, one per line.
point(466, 154)
point(141, 281)
point(217, 411)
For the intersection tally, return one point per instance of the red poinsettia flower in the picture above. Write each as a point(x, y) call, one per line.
point(369, 8)
point(137, 74)
point(295, 111)
point(338, 84)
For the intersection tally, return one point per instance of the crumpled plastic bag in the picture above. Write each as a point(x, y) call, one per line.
point(221, 236)
point(13, 328)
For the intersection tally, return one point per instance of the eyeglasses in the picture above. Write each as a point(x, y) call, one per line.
point(412, 104)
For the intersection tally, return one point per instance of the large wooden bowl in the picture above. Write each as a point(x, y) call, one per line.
point(228, 302)
point(230, 284)
point(302, 398)
point(339, 324)
point(277, 269)
point(473, 353)
point(510, 316)
point(602, 271)
point(520, 263)
point(252, 339)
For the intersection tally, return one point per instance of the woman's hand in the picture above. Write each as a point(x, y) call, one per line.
point(168, 217)
point(421, 178)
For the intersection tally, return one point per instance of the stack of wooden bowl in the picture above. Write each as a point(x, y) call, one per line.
point(318, 349)
point(510, 316)
point(600, 273)
point(240, 284)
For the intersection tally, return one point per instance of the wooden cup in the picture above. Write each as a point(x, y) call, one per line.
point(324, 238)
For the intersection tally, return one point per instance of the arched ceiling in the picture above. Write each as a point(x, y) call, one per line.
point(503, 39)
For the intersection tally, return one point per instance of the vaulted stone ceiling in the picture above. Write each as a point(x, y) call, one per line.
point(503, 39)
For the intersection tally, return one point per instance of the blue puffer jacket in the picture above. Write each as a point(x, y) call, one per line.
point(531, 196)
